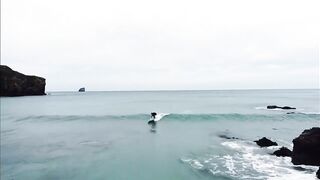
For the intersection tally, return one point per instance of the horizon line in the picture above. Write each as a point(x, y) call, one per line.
point(182, 90)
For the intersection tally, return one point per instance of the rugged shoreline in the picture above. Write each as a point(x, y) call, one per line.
point(13, 83)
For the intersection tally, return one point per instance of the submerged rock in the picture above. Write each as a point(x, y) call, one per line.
point(13, 83)
point(306, 148)
point(264, 142)
point(223, 136)
point(283, 152)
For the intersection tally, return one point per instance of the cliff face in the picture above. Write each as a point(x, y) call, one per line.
point(306, 148)
point(13, 83)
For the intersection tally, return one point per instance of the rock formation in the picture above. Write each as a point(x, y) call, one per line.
point(82, 89)
point(13, 83)
point(224, 136)
point(279, 107)
point(306, 148)
point(283, 152)
point(264, 142)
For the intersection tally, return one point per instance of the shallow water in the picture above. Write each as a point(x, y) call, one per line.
point(104, 135)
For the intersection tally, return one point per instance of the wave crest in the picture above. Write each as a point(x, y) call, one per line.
point(175, 117)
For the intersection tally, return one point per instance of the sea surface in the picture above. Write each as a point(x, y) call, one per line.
point(105, 135)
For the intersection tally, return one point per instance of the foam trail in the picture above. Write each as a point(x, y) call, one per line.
point(159, 116)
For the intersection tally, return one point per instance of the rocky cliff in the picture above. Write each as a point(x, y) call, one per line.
point(306, 148)
point(13, 83)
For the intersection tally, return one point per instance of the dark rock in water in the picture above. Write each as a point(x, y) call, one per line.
point(264, 142)
point(306, 148)
point(287, 107)
point(272, 107)
point(226, 137)
point(283, 152)
point(299, 168)
point(13, 83)
point(318, 173)
point(82, 89)
point(279, 107)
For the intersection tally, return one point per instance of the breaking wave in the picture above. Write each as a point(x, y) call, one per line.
point(175, 117)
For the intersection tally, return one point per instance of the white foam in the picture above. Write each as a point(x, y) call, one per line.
point(270, 167)
point(230, 164)
point(249, 161)
point(194, 163)
point(310, 112)
point(259, 108)
point(159, 116)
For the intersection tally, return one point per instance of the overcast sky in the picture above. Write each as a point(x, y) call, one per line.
point(163, 45)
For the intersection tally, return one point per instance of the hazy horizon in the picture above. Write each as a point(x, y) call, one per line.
point(168, 45)
point(158, 90)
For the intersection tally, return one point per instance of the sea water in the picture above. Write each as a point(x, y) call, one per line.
point(105, 135)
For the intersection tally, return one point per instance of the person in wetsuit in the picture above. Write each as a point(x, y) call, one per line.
point(152, 121)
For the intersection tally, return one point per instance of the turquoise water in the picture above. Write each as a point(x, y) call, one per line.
point(104, 135)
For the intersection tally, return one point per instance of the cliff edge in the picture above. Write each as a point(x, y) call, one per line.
point(13, 83)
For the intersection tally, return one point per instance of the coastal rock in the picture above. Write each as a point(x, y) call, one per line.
point(283, 152)
point(273, 107)
point(82, 89)
point(279, 107)
point(264, 142)
point(306, 148)
point(287, 107)
point(318, 173)
point(13, 83)
point(223, 136)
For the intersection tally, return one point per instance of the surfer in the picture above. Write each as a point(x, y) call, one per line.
point(152, 121)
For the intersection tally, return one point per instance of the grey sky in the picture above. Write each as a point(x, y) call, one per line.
point(168, 44)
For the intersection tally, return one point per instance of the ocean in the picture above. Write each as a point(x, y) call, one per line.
point(105, 135)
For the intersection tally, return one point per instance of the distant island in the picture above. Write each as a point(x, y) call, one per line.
point(13, 83)
point(82, 89)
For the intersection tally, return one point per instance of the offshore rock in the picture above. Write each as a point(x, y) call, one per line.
point(306, 148)
point(82, 89)
point(279, 107)
point(287, 107)
point(283, 152)
point(272, 107)
point(13, 83)
point(224, 136)
point(264, 142)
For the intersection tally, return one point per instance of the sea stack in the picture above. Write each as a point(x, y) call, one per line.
point(13, 83)
point(82, 89)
